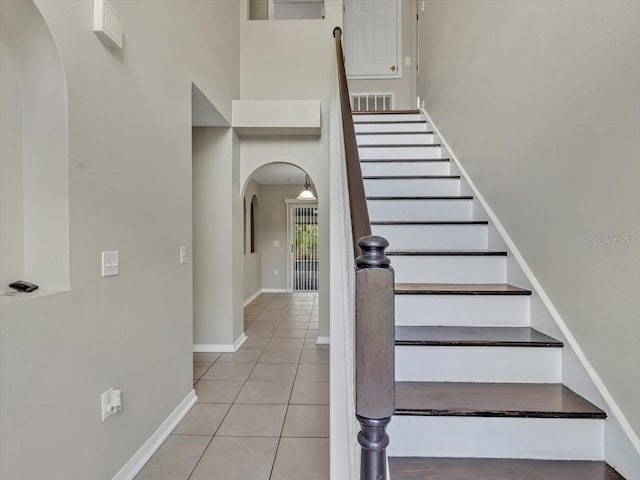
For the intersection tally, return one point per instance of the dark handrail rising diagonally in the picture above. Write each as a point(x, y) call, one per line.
point(360, 225)
point(374, 322)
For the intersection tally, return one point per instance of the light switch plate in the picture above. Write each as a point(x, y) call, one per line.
point(110, 263)
point(107, 24)
point(276, 243)
point(183, 255)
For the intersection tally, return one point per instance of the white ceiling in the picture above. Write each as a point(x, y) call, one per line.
point(279, 174)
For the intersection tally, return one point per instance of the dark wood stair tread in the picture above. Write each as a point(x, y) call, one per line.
point(388, 112)
point(411, 177)
point(417, 132)
point(447, 253)
point(539, 400)
point(459, 289)
point(364, 122)
point(422, 197)
point(404, 145)
point(474, 337)
point(420, 468)
point(430, 222)
point(403, 160)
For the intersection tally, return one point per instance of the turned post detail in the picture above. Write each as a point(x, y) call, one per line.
point(375, 387)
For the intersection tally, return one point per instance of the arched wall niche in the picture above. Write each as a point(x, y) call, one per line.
point(44, 155)
point(253, 225)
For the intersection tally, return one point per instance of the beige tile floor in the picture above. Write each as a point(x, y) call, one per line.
point(263, 411)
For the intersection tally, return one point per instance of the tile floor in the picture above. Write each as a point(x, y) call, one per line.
point(263, 411)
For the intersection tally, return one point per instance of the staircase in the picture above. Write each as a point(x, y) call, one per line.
point(478, 391)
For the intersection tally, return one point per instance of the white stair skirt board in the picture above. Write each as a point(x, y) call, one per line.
point(449, 268)
point(390, 127)
point(388, 117)
point(146, 451)
point(397, 167)
point(481, 437)
point(478, 364)
point(323, 340)
point(463, 310)
point(368, 153)
point(399, 139)
point(420, 210)
point(433, 237)
point(220, 347)
point(412, 187)
point(276, 290)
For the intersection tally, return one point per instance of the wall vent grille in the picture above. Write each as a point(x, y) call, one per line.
point(371, 102)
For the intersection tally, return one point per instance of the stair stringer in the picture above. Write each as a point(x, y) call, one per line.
point(622, 444)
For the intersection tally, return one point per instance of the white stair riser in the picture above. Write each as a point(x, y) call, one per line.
point(421, 152)
point(387, 117)
point(480, 437)
point(420, 210)
point(433, 237)
point(399, 139)
point(478, 364)
point(449, 269)
point(463, 310)
point(390, 127)
point(412, 187)
point(405, 168)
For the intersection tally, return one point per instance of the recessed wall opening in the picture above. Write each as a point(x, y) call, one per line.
point(34, 193)
point(286, 9)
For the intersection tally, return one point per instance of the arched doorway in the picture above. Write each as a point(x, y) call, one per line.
point(282, 230)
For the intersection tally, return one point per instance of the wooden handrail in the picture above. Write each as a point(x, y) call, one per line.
point(374, 324)
point(360, 225)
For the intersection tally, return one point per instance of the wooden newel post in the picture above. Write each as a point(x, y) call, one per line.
point(375, 387)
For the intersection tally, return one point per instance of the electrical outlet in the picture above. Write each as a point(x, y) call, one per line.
point(276, 243)
point(104, 401)
point(276, 273)
point(110, 263)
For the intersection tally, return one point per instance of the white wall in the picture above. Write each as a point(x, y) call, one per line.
point(402, 88)
point(217, 234)
point(11, 190)
point(540, 101)
point(130, 162)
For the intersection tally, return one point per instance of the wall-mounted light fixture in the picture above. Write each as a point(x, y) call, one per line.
point(306, 194)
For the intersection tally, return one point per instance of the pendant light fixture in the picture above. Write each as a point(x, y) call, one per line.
point(306, 194)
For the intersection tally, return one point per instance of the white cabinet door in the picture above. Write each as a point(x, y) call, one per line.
point(371, 37)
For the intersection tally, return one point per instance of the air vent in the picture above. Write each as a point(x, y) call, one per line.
point(371, 102)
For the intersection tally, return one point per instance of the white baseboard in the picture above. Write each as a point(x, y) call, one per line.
point(251, 298)
point(323, 340)
point(613, 407)
point(144, 453)
point(220, 347)
point(276, 290)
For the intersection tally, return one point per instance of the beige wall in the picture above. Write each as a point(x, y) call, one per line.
point(130, 189)
point(289, 60)
point(402, 88)
point(273, 227)
point(540, 101)
point(217, 234)
point(11, 205)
